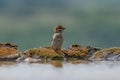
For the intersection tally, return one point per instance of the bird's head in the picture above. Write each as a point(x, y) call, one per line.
point(59, 29)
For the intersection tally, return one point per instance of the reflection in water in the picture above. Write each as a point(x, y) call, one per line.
point(68, 71)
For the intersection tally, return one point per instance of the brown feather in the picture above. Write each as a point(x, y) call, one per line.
point(58, 27)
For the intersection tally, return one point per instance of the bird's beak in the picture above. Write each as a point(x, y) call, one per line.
point(64, 28)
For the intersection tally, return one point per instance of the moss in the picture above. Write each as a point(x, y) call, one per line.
point(48, 53)
point(107, 51)
point(41, 53)
point(7, 51)
point(81, 50)
point(76, 51)
point(8, 45)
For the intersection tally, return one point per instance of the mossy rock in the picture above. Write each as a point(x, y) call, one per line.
point(43, 53)
point(79, 51)
point(8, 45)
point(107, 54)
point(75, 51)
point(48, 53)
point(8, 53)
point(79, 54)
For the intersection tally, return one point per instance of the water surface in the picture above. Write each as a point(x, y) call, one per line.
point(91, 71)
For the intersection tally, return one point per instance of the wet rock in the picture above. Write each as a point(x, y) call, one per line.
point(90, 50)
point(41, 53)
point(75, 46)
point(8, 45)
point(21, 59)
point(32, 60)
point(80, 51)
point(108, 54)
point(79, 54)
point(47, 53)
point(8, 54)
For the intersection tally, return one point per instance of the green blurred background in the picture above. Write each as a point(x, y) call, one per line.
point(30, 23)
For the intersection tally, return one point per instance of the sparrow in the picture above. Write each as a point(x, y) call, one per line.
point(57, 39)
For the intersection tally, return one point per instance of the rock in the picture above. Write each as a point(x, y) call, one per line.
point(8, 54)
point(41, 53)
point(8, 45)
point(21, 59)
point(90, 50)
point(74, 51)
point(48, 53)
point(32, 60)
point(80, 51)
point(109, 54)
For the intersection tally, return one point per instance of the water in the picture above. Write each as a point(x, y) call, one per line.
point(91, 71)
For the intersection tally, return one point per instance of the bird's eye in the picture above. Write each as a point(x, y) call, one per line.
point(59, 30)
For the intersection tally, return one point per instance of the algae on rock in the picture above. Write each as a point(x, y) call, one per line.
point(8, 51)
point(107, 54)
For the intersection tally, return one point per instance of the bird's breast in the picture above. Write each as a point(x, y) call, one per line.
point(58, 36)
